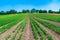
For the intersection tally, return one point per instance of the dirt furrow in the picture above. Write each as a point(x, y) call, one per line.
point(52, 22)
point(10, 31)
point(14, 29)
point(39, 38)
point(55, 35)
point(18, 35)
point(28, 32)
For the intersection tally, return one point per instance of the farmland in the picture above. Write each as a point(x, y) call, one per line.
point(30, 26)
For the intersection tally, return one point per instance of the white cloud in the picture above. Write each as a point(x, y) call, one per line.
point(53, 6)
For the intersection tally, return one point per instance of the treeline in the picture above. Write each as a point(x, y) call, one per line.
point(29, 11)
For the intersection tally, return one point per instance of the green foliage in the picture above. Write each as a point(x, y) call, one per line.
point(49, 25)
point(20, 28)
point(21, 34)
point(13, 20)
point(53, 17)
point(14, 36)
point(7, 37)
point(11, 12)
point(39, 31)
point(34, 31)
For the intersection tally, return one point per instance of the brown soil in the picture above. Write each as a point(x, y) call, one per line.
point(28, 33)
point(18, 35)
point(10, 31)
point(14, 33)
point(55, 35)
point(52, 22)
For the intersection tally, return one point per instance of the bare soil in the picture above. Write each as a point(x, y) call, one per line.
point(10, 31)
point(55, 35)
point(28, 35)
point(52, 22)
point(18, 35)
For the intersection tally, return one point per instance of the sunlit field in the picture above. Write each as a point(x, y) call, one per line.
point(30, 26)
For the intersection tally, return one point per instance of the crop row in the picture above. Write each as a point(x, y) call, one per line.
point(34, 31)
point(5, 28)
point(15, 31)
point(42, 32)
point(49, 25)
point(15, 18)
point(53, 17)
point(19, 29)
point(5, 19)
point(8, 37)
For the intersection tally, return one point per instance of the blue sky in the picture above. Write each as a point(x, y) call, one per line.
point(29, 4)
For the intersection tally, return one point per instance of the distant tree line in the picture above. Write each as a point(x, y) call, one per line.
point(29, 11)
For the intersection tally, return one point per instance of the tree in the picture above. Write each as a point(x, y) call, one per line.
point(37, 11)
point(40, 11)
point(44, 11)
point(59, 11)
point(23, 11)
point(2, 12)
point(19, 12)
point(11, 12)
point(27, 11)
point(50, 11)
point(33, 10)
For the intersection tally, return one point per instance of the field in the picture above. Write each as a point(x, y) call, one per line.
point(30, 27)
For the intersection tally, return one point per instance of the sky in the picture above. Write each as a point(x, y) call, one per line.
point(19, 5)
